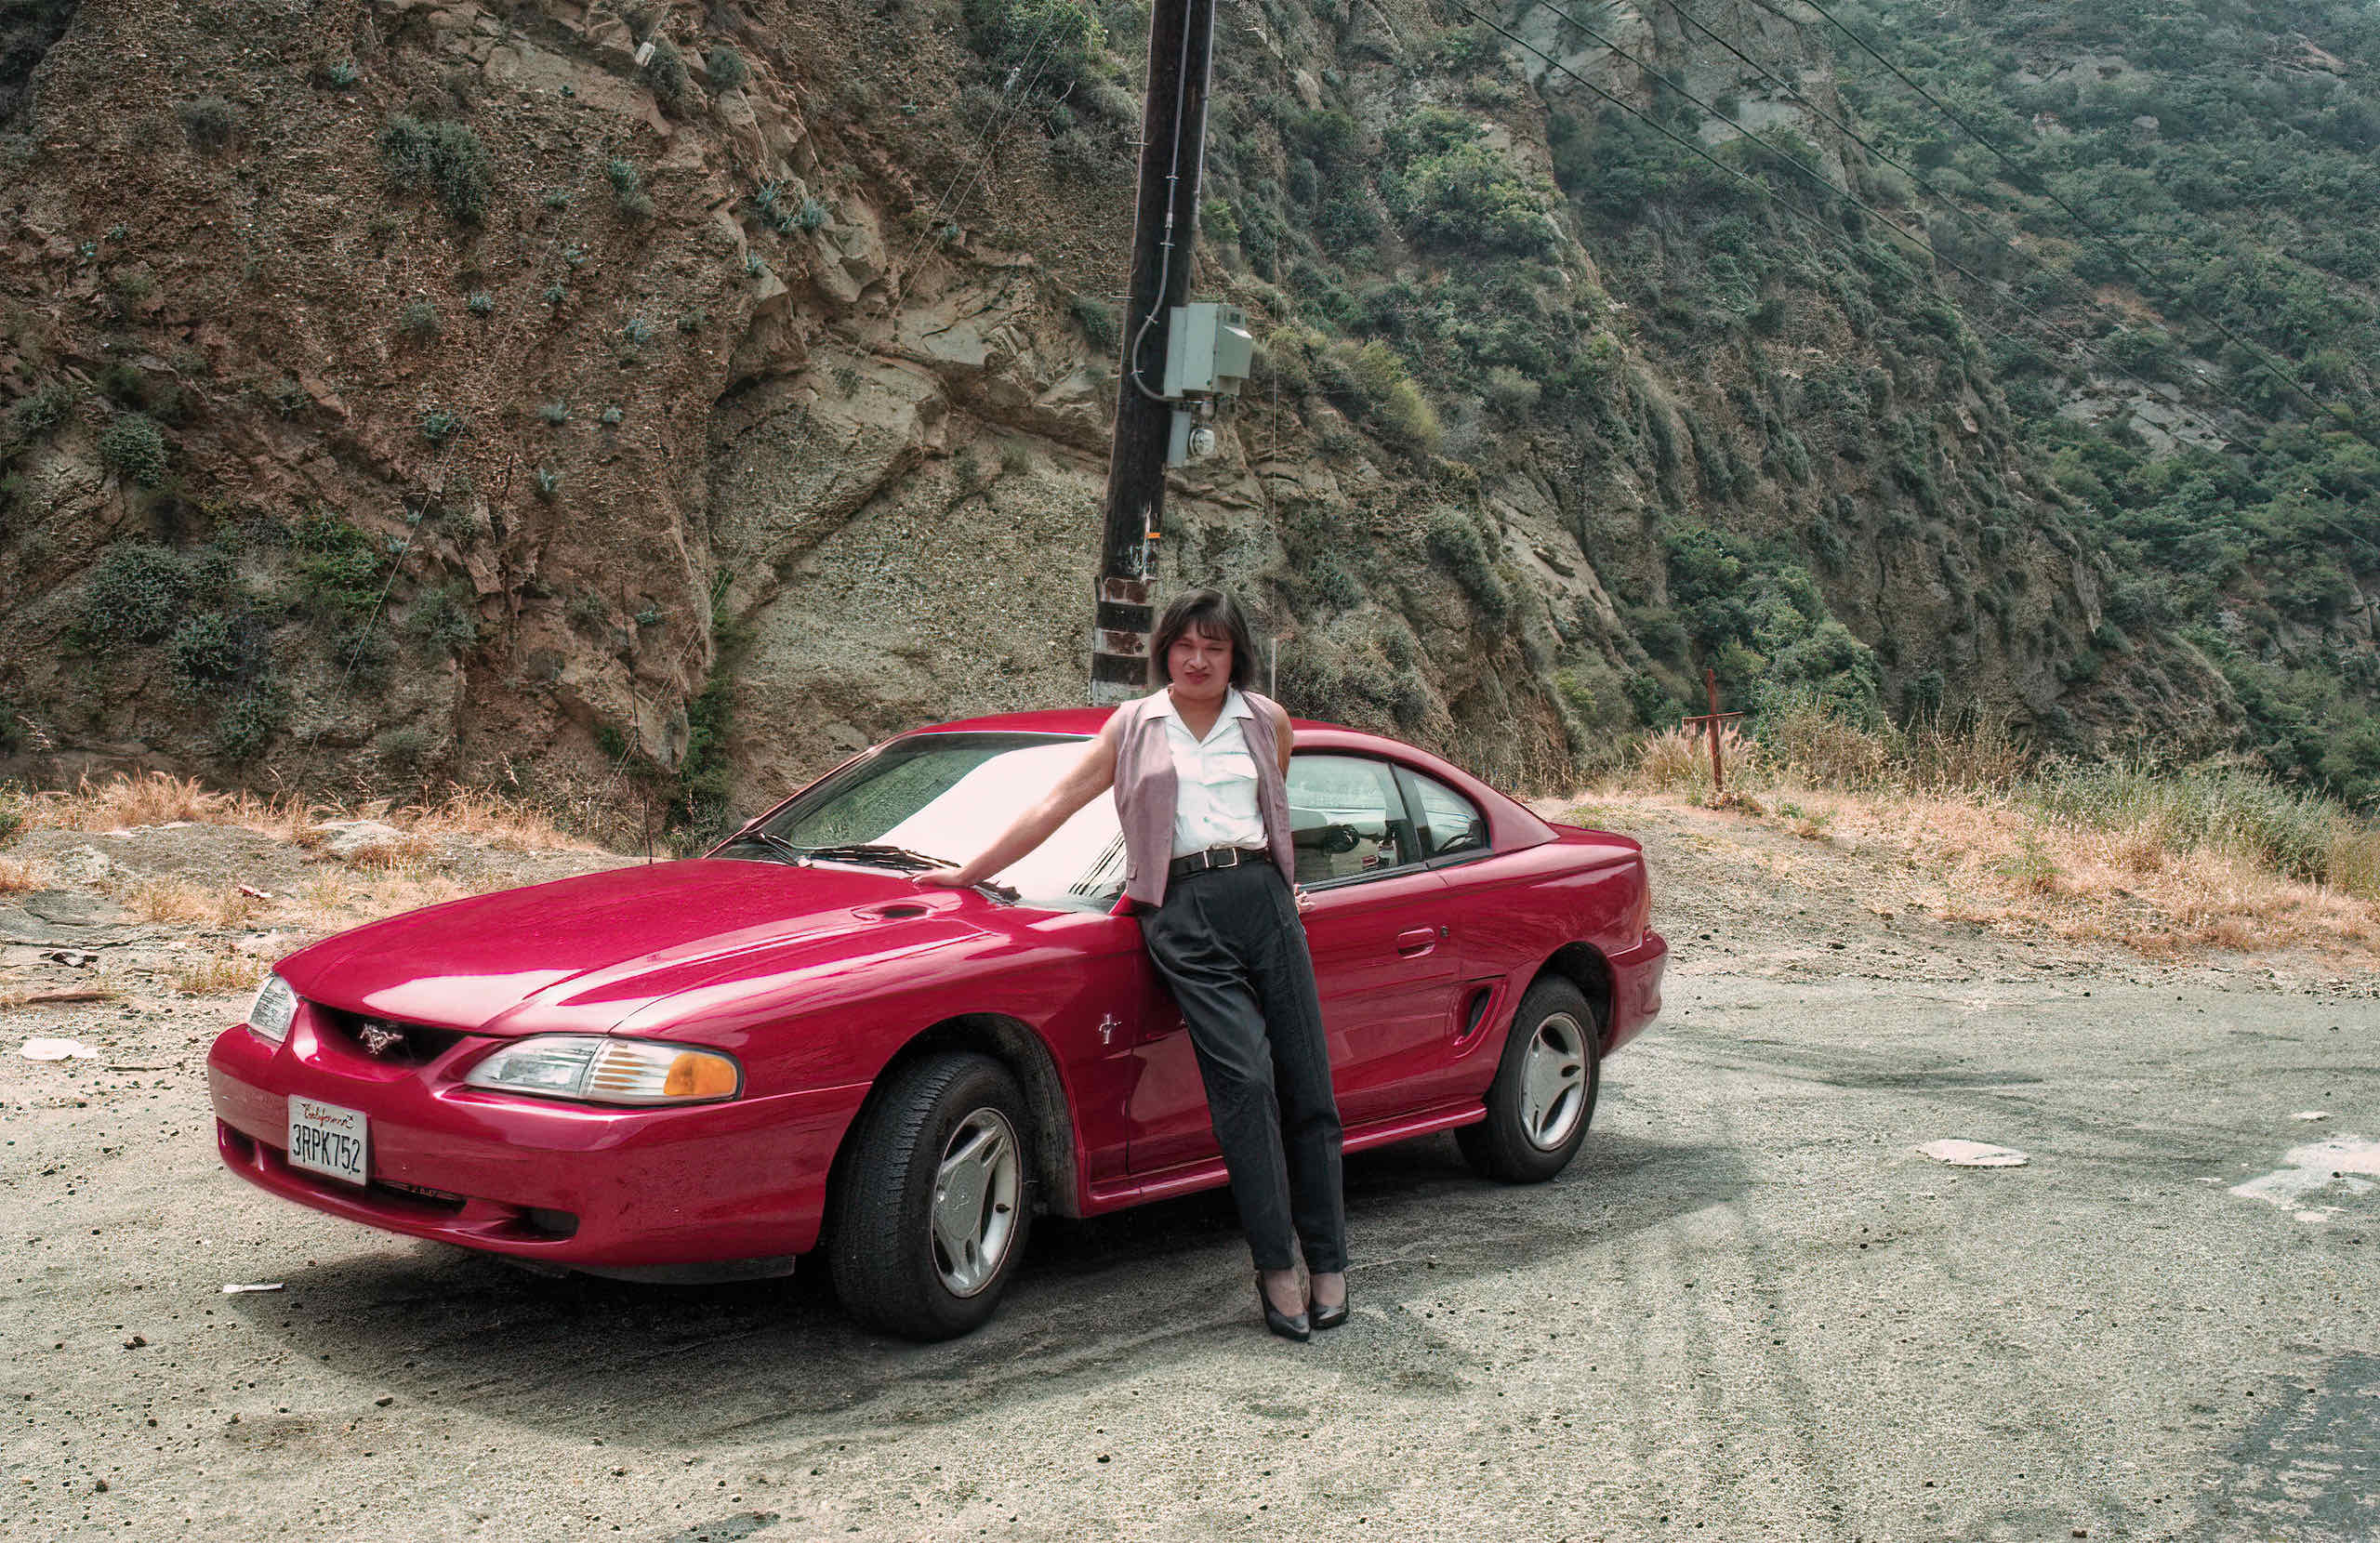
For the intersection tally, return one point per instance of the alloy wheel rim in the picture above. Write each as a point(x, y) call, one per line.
point(1553, 1082)
point(973, 1220)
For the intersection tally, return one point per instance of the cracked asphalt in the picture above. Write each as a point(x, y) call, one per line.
point(1751, 1309)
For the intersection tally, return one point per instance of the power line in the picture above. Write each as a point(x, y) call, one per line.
point(2263, 357)
point(979, 154)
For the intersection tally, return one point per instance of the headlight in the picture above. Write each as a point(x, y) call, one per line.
point(269, 1014)
point(597, 1069)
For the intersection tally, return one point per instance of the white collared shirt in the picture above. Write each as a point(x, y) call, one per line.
point(1214, 801)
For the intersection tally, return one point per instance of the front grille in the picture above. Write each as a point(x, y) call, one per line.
point(385, 1039)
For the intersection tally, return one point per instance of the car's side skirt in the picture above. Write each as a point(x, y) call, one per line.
point(1211, 1174)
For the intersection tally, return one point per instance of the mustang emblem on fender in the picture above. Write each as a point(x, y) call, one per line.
point(379, 1039)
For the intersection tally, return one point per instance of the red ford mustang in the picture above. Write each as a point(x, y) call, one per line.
point(700, 1070)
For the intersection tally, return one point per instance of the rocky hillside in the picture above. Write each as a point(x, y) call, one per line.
point(660, 401)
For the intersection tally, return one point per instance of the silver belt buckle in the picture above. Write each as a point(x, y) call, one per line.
point(1235, 860)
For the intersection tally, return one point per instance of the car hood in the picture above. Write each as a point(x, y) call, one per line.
point(582, 955)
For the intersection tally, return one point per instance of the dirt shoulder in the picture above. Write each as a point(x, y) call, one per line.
point(1824, 889)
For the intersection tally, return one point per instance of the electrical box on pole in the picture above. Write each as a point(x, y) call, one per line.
point(1207, 352)
point(1207, 349)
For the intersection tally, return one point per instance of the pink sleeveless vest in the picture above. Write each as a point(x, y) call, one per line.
point(1144, 793)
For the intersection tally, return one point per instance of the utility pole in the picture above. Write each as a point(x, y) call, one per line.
point(1173, 142)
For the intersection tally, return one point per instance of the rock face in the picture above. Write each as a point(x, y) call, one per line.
point(612, 389)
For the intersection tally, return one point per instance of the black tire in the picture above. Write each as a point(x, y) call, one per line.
point(891, 1268)
point(1505, 1145)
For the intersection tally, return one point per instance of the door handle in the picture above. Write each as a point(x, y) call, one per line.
point(1415, 943)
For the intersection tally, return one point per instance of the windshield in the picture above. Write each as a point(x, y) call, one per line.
point(947, 797)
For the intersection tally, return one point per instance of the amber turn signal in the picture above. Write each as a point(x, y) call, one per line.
point(696, 1076)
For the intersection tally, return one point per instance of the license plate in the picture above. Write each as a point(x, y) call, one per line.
point(328, 1139)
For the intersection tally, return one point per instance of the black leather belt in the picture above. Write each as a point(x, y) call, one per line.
point(1215, 857)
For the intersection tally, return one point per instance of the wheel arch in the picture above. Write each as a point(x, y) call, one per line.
point(1584, 966)
point(1014, 1045)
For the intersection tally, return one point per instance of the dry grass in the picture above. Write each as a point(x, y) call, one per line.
point(155, 798)
point(221, 974)
point(479, 816)
point(343, 898)
point(2162, 862)
point(18, 875)
point(1678, 761)
point(151, 798)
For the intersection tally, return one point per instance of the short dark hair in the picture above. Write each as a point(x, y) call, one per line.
point(1212, 612)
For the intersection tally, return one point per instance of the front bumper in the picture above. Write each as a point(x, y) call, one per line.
point(630, 1191)
point(1635, 988)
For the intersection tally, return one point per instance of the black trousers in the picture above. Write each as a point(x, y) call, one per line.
point(1229, 943)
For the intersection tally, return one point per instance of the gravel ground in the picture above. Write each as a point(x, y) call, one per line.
point(1751, 1309)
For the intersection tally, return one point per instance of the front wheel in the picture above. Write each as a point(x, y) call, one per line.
point(1544, 1093)
point(937, 1201)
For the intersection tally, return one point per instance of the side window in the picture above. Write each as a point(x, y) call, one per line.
point(1450, 823)
point(1347, 819)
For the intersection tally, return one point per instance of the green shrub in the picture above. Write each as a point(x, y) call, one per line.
point(441, 424)
point(627, 189)
point(136, 593)
point(211, 651)
point(666, 75)
point(482, 303)
point(210, 123)
point(554, 198)
point(549, 483)
point(419, 320)
point(636, 332)
point(1408, 415)
point(35, 414)
point(1335, 585)
point(726, 68)
point(336, 569)
point(1066, 36)
point(134, 445)
point(443, 622)
point(338, 75)
point(1101, 327)
point(1512, 390)
point(812, 215)
point(555, 413)
point(1454, 540)
point(245, 726)
point(445, 160)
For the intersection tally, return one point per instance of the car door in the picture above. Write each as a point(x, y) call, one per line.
point(1452, 835)
point(1379, 939)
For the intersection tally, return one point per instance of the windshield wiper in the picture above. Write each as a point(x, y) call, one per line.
point(875, 853)
point(770, 839)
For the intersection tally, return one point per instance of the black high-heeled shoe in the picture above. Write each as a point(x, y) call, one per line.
point(1323, 1317)
point(1289, 1325)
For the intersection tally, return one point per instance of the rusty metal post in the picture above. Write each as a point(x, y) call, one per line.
point(1711, 721)
point(1710, 686)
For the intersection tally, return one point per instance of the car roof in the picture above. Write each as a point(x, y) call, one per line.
point(1511, 825)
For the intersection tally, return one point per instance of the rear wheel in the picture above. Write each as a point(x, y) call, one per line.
point(936, 1200)
point(1544, 1093)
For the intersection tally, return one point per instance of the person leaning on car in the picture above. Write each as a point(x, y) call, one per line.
point(1200, 773)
